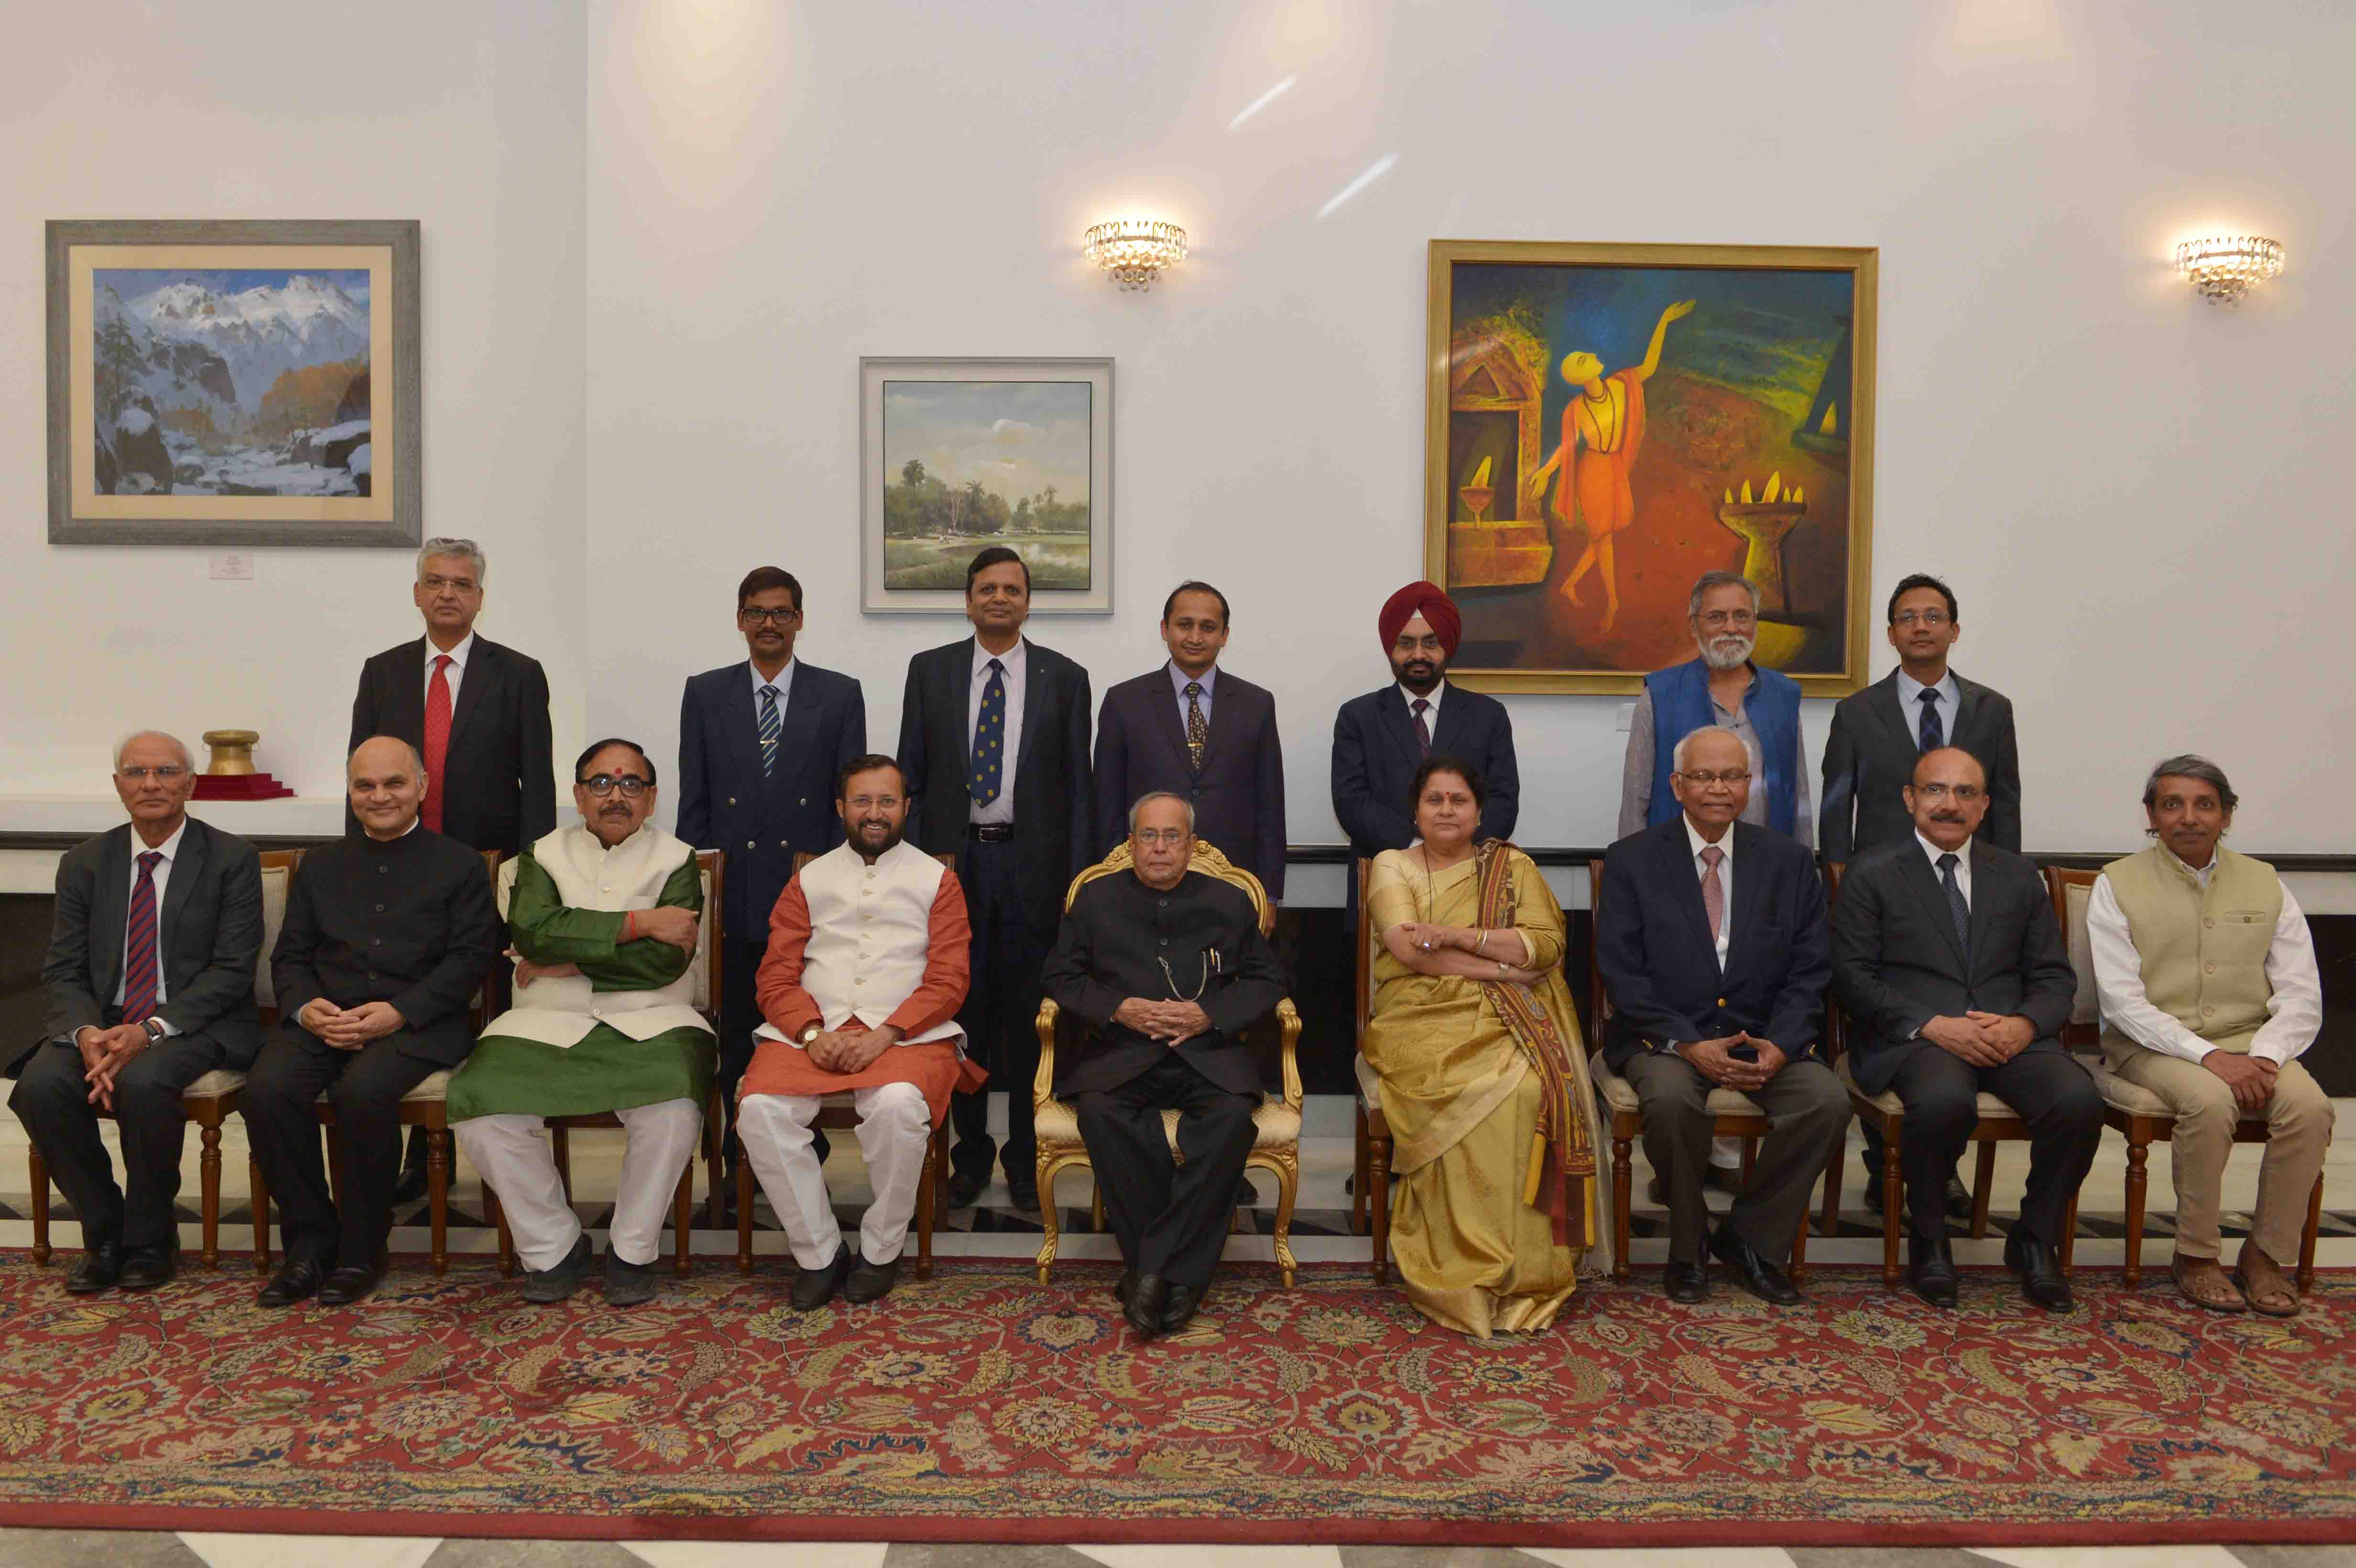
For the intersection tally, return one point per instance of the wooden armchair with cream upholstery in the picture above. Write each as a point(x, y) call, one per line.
point(1276, 1144)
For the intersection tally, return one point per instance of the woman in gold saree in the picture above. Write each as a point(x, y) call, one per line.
point(1483, 1081)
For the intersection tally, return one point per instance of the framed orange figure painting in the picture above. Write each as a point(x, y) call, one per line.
point(1607, 423)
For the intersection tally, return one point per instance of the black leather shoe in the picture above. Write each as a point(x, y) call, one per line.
point(1148, 1298)
point(546, 1286)
point(1760, 1278)
point(145, 1268)
point(965, 1186)
point(626, 1284)
point(1124, 1285)
point(814, 1287)
point(1023, 1194)
point(297, 1279)
point(1179, 1307)
point(870, 1282)
point(100, 1267)
point(1931, 1266)
point(344, 1286)
point(1689, 1282)
point(1958, 1198)
point(2043, 1282)
point(1725, 1178)
point(412, 1185)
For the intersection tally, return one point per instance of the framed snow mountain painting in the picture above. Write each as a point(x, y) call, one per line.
point(233, 383)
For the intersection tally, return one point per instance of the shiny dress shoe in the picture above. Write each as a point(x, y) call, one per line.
point(965, 1186)
point(870, 1282)
point(357, 1282)
point(626, 1284)
point(145, 1268)
point(1124, 1285)
point(1760, 1278)
point(297, 1279)
point(1179, 1308)
point(1958, 1198)
point(1148, 1298)
point(1023, 1194)
point(2043, 1282)
point(1930, 1268)
point(814, 1287)
point(1689, 1282)
point(545, 1287)
point(99, 1268)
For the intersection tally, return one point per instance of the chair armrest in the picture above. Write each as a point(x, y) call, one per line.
point(1043, 1083)
point(1288, 1019)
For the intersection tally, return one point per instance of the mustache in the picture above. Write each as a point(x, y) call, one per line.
point(1946, 817)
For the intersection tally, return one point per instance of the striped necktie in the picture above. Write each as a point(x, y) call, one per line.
point(139, 944)
point(771, 728)
point(1928, 738)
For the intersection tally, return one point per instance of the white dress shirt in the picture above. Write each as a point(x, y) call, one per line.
point(455, 674)
point(1015, 661)
point(1948, 697)
point(1963, 864)
point(784, 682)
point(1725, 880)
point(2293, 1011)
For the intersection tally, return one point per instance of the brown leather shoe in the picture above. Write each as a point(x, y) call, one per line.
point(2205, 1284)
point(2263, 1283)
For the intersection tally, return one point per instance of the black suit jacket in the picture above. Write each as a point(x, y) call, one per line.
point(411, 921)
point(1111, 947)
point(212, 922)
point(501, 789)
point(1051, 783)
point(764, 821)
point(1660, 968)
point(1870, 756)
point(1238, 795)
point(1896, 963)
point(1376, 756)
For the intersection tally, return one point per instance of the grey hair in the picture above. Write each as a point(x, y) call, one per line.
point(1677, 756)
point(1144, 800)
point(2189, 765)
point(443, 545)
point(186, 760)
point(1709, 579)
point(415, 760)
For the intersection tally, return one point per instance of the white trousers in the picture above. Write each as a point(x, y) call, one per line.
point(894, 1125)
point(519, 1165)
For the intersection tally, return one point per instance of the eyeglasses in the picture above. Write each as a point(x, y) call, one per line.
point(872, 802)
point(1728, 618)
point(1730, 776)
point(1934, 619)
point(1171, 836)
point(753, 617)
point(457, 584)
point(631, 785)
point(1962, 793)
point(165, 774)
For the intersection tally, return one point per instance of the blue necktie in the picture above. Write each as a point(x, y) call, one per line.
point(990, 737)
point(770, 729)
point(1956, 908)
point(1930, 738)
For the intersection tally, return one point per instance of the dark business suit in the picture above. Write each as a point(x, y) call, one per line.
point(1014, 885)
point(499, 788)
point(1869, 758)
point(1659, 964)
point(410, 922)
point(762, 821)
point(1375, 755)
point(1898, 963)
point(210, 929)
point(1239, 791)
point(1170, 1219)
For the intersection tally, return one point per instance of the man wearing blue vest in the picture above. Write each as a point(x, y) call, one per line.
point(1720, 686)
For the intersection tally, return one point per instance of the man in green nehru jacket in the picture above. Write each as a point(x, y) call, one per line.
point(2210, 993)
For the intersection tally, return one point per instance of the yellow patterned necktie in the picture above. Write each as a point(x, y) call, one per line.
point(1198, 731)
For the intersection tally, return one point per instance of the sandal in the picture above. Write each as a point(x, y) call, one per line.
point(2205, 1284)
point(2263, 1282)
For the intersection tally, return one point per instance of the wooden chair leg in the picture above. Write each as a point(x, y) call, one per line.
point(682, 1221)
point(744, 1216)
point(1830, 1223)
point(1799, 1269)
point(1287, 1188)
point(259, 1191)
point(1750, 1157)
point(715, 1145)
point(1893, 1203)
point(1982, 1184)
point(1624, 1184)
point(1050, 1221)
point(2307, 1237)
point(2138, 1187)
point(498, 1219)
point(208, 1179)
point(2069, 1248)
point(925, 1216)
point(39, 1172)
point(1378, 1204)
point(438, 1196)
point(1358, 1170)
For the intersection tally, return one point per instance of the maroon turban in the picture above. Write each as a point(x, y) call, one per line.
point(1423, 598)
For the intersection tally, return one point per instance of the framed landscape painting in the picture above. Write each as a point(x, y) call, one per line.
point(959, 454)
point(1605, 423)
point(233, 383)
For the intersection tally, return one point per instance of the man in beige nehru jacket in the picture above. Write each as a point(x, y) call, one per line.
point(2210, 993)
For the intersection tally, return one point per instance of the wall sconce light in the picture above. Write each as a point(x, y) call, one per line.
point(2224, 267)
point(1134, 249)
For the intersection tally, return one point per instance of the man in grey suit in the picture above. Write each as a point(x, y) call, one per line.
point(1952, 968)
point(149, 987)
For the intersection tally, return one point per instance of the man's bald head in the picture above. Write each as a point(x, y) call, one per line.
point(384, 779)
point(380, 752)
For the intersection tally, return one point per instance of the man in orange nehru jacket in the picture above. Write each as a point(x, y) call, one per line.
point(866, 968)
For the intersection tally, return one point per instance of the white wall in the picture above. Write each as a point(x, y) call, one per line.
point(2138, 496)
point(465, 116)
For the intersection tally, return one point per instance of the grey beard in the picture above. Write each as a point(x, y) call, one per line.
point(1728, 653)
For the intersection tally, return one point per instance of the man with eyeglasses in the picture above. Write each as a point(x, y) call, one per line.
point(1878, 733)
point(1952, 970)
point(761, 743)
point(477, 712)
point(605, 918)
point(148, 987)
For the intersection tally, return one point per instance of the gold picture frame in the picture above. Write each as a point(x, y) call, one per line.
point(1726, 422)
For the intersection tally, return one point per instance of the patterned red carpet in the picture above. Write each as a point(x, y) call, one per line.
point(980, 1407)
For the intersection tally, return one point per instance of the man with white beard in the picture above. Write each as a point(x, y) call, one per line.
point(1721, 687)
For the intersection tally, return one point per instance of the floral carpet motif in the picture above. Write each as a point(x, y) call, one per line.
point(980, 1406)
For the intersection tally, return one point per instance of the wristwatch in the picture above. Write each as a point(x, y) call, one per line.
point(155, 1028)
point(809, 1034)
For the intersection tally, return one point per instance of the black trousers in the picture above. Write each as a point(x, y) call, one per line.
point(365, 1087)
point(1001, 1008)
point(1170, 1219)
point(2053, 1095)
point(1809, 1111)
point(53, 1102)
